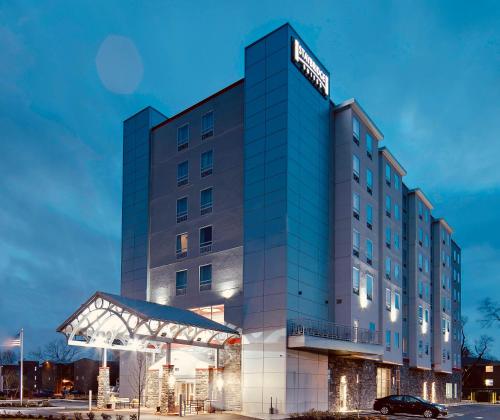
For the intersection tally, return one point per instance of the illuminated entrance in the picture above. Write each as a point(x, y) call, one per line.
point(179, 355)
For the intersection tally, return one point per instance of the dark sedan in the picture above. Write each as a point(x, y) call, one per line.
point(409, 404)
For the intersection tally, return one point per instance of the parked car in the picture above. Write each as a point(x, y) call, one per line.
point(43, 393)
point(409, 404)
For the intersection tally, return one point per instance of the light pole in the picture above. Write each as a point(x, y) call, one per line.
point(21, 340)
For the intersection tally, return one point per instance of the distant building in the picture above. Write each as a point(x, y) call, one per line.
point(9, 378)
point(483, 382)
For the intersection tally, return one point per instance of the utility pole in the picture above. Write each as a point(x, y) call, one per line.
point(21, 338)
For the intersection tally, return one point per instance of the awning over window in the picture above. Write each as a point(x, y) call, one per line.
point(120, 323)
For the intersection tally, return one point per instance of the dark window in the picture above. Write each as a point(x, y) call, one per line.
point(205, 239)
point(205, 277)
point(206, 163)
point(207, 125)
point(206, 201)
point(182, 173)
point(182, 209)
point(181, 282)
point(183, 137)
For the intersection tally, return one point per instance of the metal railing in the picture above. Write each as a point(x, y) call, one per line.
point(332, 331)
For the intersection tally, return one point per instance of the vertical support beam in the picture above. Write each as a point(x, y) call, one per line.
point(103, 387)
point(104, 357)
point(167, 398)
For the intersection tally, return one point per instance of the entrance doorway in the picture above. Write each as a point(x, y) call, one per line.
point(433, 392)
point(186, 389)
point(383, 382)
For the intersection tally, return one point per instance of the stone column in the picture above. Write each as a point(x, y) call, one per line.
point(153, 389)
point(167, 397)
point(218, 388)
point(103, 387)
point(201, 384)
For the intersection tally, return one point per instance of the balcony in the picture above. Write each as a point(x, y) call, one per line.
point(316, 334)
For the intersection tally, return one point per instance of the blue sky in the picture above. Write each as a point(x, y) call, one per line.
point(428, 73)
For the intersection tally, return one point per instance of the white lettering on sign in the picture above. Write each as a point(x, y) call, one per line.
point(309, 67)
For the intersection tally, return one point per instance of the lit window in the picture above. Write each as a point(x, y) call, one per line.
point(180, 282)
point(205, 239)
point(369, 145)
point(488, 382)
point(355, 280)
point(396, 212)
point(388, 205)
point(369, 287)
point(388, 299)
point(355, 168)
point(207, 125)
point(420, 236)
point(449, 390)
point(488, 369)
point(182, 173)
point(388, 340)
point(396, 300)
point(181, 245)
point(206, 163)
point(369, 181)
point(426, 265)
point(182, 209)
point(355, 129)
point(355, 205)
point(206, 201)
point(396, 271)
point(205, 277)
point(420, 314)
point(183, 137)
point(396, 240)
point(420, 262)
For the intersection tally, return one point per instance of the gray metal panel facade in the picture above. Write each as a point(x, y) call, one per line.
point(135, 213)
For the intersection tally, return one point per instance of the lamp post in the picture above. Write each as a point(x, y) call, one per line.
point(21, 351)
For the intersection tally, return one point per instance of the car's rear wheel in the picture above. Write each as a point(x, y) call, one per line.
point(429, 414)
point(385, 410)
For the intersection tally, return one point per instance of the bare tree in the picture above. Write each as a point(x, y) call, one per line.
point(490, 311)
point(7, 357)
point(481, 349)
point(137, 379)
point(56, 351)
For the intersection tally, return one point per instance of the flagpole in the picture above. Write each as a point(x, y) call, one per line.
point(21, 336)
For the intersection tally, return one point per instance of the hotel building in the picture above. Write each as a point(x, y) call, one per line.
point(275, 218)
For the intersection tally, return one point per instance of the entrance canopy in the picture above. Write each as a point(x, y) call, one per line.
point(120, 323)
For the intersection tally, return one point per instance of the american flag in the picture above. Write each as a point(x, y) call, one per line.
point(14, 342)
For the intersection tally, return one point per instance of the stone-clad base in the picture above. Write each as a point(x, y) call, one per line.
point(360, 381)
point(103, 387)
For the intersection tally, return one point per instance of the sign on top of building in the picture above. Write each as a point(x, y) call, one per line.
point(310, 68)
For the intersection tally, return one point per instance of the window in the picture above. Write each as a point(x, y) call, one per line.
point(388, 299)
point(180, 282)
point(206, 201)
point(388, 236)
point(420, 288)
point(182, 173)
point(396, 181)
point(387, 267)
point(205, 239)
point(355, 205)
point(397, 214)
point(488, 382)
point(420, 207)
point(426, 213)
point(388, 340)
point(355, 280)
point(369, 251)
point(426, 265)
point(426, 315)
point(355, 242)
point(183, 137)
point(181, 245)
point(420, 347)
point(206, 163)
point(420, 261)
point(369, 287)
point(388, 205)
point(396, 240)
point(426, 240)
point(396, 271)
point(355, 130)
point(420, 314)
point(488, 369)
point(420, 236)
point(449, 390)
point(205, 277)
point(369, 181)
point(396, 340)
point(369, 145)
point(182, 209)
point(355, 168)
point(207, 125)
point(388, 174)
point(397, 301)
point(369, 216)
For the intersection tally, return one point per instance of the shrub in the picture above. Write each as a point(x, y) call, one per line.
point(105, 416)
point(133, 417)
point(119, 417)
point(90, 415)
point(78, 416)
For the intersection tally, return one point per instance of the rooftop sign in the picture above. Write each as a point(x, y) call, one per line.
point(308, 66)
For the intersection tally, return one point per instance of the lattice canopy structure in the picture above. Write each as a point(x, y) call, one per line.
point(119, 323)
